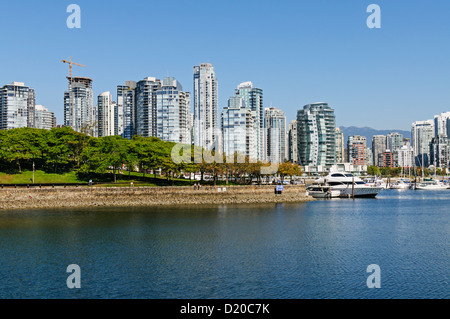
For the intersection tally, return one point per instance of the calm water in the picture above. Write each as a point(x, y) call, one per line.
point(319, 249)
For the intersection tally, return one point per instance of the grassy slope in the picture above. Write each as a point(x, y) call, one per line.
point(39, 177)
point(137, 178)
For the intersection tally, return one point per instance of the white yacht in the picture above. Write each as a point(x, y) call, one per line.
point(349, 185)
point(399, 185)
point(431, 185)
point(322, 191)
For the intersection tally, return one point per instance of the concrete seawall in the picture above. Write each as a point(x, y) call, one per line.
point(11, 198)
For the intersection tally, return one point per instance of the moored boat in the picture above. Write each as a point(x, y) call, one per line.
point(431, 185)
point(322, 191)
point(399, 185)
point(349, 185)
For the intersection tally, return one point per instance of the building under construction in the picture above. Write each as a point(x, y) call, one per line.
point(79, 105)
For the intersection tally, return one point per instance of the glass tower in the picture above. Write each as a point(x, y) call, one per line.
point(275, 126)
point(206, 130)
point(79, 105)
point(125, 110)
point(17, 106)
point(173, 107)
point(146, 106)
point(316, 135)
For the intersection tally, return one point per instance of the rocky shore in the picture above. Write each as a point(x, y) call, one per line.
point(36, 198)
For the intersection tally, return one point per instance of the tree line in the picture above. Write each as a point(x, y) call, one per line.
point(62, 150)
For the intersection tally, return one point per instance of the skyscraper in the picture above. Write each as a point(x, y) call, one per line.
point(125, 112)
point(106, 114)
point(293, 142)
point(441, 124)
point(79, 105)
point(275, 126)
point(238, 130)
point(43, 118)
point(405, 154)
point(316, 135)
point(394, 141)
point(422, 132)
point(252, 98)
point(146, 116)
point(173, 107)
point(339, 146)
point(17, 104)
point(378, 147)
point(206, 130)
point(440, 151)
point(356, 148)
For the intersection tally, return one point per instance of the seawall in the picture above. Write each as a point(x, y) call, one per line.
point(35, 198)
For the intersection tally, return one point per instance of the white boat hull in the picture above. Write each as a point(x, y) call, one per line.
point(362, 191)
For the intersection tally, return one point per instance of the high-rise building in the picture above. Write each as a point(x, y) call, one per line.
point(441, 125)
point(43, 118)
point(173, 114)
point(252, 98)
point(275, 126)
point(206, 129)
point(125, 112)
point(405, 154)
point(238, 130)
point(106, 114)
point(422, 132)
point(356, 147)
point(293, 142)
point(388, 159)
point(79, 105)
point(394, 141)
point(378, 147)
point(316, 135)
point(146, 114)
point(339, 146)
point(17, 104)
point(368, 157)
point(440, 151)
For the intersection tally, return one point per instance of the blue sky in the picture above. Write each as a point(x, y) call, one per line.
point(298, 52)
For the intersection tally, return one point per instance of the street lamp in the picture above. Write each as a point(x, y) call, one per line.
point(33, 172)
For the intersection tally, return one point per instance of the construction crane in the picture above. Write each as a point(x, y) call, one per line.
point(70, 65)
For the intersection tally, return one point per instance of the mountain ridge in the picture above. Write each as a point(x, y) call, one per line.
point(369, 132)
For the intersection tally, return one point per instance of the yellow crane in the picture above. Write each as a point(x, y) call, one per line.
point(70, 65)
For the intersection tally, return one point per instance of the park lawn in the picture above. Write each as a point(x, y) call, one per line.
point(39, 177)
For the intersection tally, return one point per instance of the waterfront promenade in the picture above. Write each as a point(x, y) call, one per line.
point(35, 198)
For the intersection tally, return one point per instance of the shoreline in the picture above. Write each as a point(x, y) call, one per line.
point(84, 197)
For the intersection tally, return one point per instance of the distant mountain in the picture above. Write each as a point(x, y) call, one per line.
point(368, 132)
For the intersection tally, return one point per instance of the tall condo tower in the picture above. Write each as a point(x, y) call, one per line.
point(173, 109)
point(79, 105)
point(206, 130)
point(125, 112)
point(276, 135)
point(146, 113)
point(316, 135)
point(17, 104)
